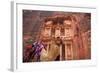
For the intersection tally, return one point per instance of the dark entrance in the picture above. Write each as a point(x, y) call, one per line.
point(63, 51)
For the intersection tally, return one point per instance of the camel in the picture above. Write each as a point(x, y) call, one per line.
point(51, 54)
